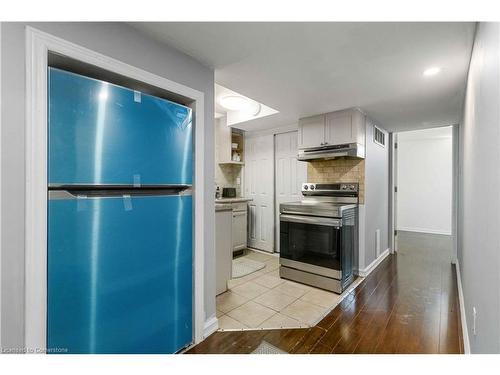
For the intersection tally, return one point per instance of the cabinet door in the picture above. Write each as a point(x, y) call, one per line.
point(312, 131)
point(103, 134)
point(223, 249)
point(119, 280)
point(222, 140)
point(338, 128)
point(239, 230)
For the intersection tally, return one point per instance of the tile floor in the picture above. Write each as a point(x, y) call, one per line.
point(263, 300)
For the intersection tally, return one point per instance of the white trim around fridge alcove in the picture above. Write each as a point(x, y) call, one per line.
point(38, 46)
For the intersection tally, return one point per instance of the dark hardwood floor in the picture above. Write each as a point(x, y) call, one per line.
point(408, 304)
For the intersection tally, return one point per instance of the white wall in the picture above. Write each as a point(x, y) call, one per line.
point(425, 180)
point(479, 192)
point(0, 186)
point(119, 41)
point(376, 207)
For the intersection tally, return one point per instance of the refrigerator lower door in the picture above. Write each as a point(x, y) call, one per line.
point(119, 274)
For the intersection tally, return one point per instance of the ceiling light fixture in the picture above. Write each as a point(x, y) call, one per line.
point(234, 102)
point(431, 71)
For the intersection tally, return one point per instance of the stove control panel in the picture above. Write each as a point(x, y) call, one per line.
point(349, 187)
point(329, 189)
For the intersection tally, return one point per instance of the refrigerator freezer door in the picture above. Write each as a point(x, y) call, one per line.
point(119, 274)
point(105, 134)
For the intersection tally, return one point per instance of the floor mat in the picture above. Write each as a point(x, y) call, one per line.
point(266, 348)
point(244, 266)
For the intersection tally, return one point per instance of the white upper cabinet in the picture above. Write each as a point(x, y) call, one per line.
point(225, 138)
point(334, 128)
point(222, 141)
point(312, 131)
point(338, 128)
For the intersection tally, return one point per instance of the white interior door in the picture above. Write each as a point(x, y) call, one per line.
point(259, 185)
point(289, 174)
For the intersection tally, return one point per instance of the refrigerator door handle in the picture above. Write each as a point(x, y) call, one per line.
point(118, 192)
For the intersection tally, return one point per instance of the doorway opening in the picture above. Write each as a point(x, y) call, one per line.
point(424, 188)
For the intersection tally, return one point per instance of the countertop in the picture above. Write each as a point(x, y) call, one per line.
point(232, 200)
point(223, 207)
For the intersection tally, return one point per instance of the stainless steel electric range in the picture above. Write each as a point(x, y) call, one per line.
point(319, 236)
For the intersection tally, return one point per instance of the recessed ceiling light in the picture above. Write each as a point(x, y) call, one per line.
point(431, 71)
point(234, 102)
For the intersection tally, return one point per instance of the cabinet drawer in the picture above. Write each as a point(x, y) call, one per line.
point(239, 206)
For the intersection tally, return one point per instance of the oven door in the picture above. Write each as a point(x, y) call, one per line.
point(312, 244)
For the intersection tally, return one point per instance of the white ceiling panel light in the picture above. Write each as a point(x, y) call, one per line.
point(239, 108)
point(432, 71)
point(240, 103)
point(234, 102)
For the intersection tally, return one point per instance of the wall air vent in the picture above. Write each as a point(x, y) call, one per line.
point(379, 136)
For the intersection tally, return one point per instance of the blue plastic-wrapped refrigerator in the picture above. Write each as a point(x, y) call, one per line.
point(119, 261)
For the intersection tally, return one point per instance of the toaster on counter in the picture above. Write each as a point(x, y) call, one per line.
point(229, 192)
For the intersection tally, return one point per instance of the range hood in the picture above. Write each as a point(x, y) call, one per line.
point(353, 150)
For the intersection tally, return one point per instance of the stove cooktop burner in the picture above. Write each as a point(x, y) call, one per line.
point(326, 200)
point(324, 209)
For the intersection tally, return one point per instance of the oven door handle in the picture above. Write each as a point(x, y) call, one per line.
point(316, 220)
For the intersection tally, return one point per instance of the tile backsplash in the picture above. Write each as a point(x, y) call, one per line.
point(226, 175)
point(338, 170)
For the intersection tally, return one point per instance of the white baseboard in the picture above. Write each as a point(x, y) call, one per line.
point(367, 270)
point(424, 230)
point(211, 325)
point(463, 318)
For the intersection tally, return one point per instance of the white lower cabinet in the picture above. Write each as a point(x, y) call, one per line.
point(223, 249)
point(239, 226)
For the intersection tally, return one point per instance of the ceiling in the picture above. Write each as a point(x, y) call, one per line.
point(426, 134)
point(302, 69)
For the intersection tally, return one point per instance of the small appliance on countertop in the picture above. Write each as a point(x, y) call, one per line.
point(319, 236)
point(229, 192)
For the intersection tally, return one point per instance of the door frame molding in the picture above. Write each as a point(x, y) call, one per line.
point(455, 138)
point(393, 139)
point(38, 46)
